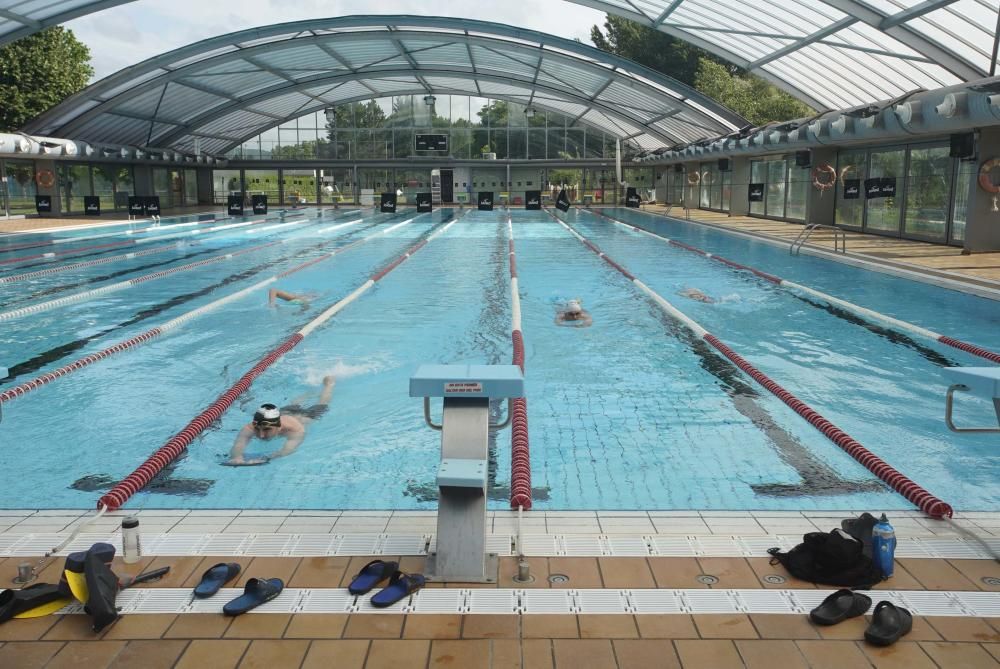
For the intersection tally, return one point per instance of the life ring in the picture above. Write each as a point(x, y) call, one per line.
point(694, 178)
point(708, 178)
point(45, 178)
point(985, 182)
point(818, 172)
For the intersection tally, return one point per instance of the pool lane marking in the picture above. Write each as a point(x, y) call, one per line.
point(520, 452)
point(26, 387)
point(68, 240)
point(137, 480)
point(925, 501)
point(844, 304)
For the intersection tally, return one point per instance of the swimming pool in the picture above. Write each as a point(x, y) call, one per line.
point(630, 413)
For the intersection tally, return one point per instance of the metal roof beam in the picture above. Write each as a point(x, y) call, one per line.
point(913, 12)
point(23, 20)
point(834, 27)
point(667, 12)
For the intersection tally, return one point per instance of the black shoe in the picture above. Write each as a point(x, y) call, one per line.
point(889, 622)
point(840, 606)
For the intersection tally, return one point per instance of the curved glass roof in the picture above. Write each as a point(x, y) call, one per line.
point(224, 90)
point(834, 54)
point(20, 18)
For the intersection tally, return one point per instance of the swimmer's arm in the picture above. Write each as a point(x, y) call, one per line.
point(291, 445)
point(587, 321)
point(240, 445)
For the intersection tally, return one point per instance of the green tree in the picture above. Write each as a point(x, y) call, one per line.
point(38, 72)
point(746, 94)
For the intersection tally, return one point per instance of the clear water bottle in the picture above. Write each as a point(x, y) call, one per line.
point(884, 546)
point(131, 546)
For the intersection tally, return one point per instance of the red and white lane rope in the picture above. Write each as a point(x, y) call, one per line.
point(844, 304)
point(89, 263)
point(925, 501)
point(132, 342)
point(520, 453)
point(176, 445)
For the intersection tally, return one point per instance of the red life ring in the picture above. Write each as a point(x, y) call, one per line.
point(818, 173)
point(985, 182)
point(694, 178)
point(45, 178)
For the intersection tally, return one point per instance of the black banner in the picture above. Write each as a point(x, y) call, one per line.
point(43, 204)
point(234, 205)
point(562, 202)
point(91, 205)
point(486, 201)
point(632, 198)
point(852, 189)
point(430, 142)
point(533, 199)
point(135, 207)
point(388, 204)
point(755, 192)
point(151, 205)
point(424, 202)
point(873, 188)
point(259, 203)
point(888, 187)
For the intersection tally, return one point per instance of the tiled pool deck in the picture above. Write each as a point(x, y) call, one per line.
point(577, 633)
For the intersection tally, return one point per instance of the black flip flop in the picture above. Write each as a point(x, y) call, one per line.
point(400, 586)
point(257, 591)
point(840, 606)
point(216, 577)
point(371, 575)
point(889, 623)
point(13, 602)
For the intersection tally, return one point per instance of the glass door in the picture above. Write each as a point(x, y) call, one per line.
point(882, 214)
point(850, 206)
point(928, 187)
point(777, 177)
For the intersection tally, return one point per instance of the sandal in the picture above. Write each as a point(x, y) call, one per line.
point(400, 586)
point(840, 606)
point(371, 575)
point(889, 622)
point(257, 591)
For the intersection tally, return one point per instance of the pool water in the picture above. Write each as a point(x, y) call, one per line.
point(630, 413)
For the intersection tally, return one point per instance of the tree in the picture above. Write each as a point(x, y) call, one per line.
point(39, 71)
point(747, 95)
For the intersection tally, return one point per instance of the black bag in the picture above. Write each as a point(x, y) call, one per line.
point(833, 558)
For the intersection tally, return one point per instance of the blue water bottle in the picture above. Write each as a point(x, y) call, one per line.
point(884, 546)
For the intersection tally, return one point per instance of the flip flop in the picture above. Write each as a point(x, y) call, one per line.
point(15, 603)
point(216, 577)
point(257, 591)
point(889, 622)
point(840, 606)
point(371, 575)
point(400, 586)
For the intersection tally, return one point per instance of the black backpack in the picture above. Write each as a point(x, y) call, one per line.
point(833, 558)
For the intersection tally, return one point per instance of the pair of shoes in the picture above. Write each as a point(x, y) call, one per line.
point(889, 622)
point(400, 585)
point(257, 591)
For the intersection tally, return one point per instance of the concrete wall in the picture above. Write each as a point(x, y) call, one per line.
point(739, 200)
point(982, 229)
point(820, 205)
point(205, 185)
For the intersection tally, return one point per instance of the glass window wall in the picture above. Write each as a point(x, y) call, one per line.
point(850, 211)
point(74, 184)
point(967, 174)
point(883, 214)
point(928, 186)
point(261, 182)
point(299, 186)
point(224, 184)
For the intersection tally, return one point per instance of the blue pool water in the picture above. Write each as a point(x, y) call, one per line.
point(631, 413)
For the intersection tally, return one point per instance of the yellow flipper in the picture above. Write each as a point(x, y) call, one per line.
point(78, 585)
point(44, 609)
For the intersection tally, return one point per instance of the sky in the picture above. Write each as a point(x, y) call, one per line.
point(133, 32)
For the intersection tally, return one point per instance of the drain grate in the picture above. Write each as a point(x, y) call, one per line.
point(774, 579)
point(707, 579)
point(558, 578)
point(991, 580)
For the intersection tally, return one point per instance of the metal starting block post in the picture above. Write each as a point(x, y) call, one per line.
point(461, 479)
point(983, 382)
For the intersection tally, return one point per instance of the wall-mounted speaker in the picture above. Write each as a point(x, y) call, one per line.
point(963, 145)
point(723, 164)
point(678, 167)
point(803, 158)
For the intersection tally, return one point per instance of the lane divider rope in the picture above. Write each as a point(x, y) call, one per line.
point(850, 306)
point(83, 238)
point(176, 445)
point(925, 501)
point(132, 342)
point(520, 451)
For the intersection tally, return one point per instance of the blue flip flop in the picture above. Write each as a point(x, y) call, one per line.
point(216, 577)
point(400, 586)
point(371, 575)
point(257, 591)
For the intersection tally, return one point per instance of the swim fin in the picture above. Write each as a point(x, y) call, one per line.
point(19, 603)
point(73, 583)
point(102, 586)
point(45, 609)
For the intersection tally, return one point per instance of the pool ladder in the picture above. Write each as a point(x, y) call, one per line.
point(839, 238)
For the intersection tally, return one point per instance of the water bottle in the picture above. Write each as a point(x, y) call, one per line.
point(884, 546)
point(131, 546)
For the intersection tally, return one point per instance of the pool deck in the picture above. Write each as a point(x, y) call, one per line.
point(593, 615)
point(981, 269)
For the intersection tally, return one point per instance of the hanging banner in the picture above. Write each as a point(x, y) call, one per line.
point(632, 198)
point(235, 205)
point(388, 203)
point(151, 205)
point(562, 202)
point(424, 202)
point(888, 187)
point(873, 188)
point(91, 205)
point(135, 205)
point(852, 189)
point(486, 201)
point(43, 204)
point(755, 192)
point(259, 203)
point(533, 199)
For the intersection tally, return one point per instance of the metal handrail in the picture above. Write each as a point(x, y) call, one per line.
point(839, 240)
point(949, 402)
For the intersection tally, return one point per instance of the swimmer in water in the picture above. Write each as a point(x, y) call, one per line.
point(696, 295)
point(274, 294)
point(270, 422)
point(574, 315)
